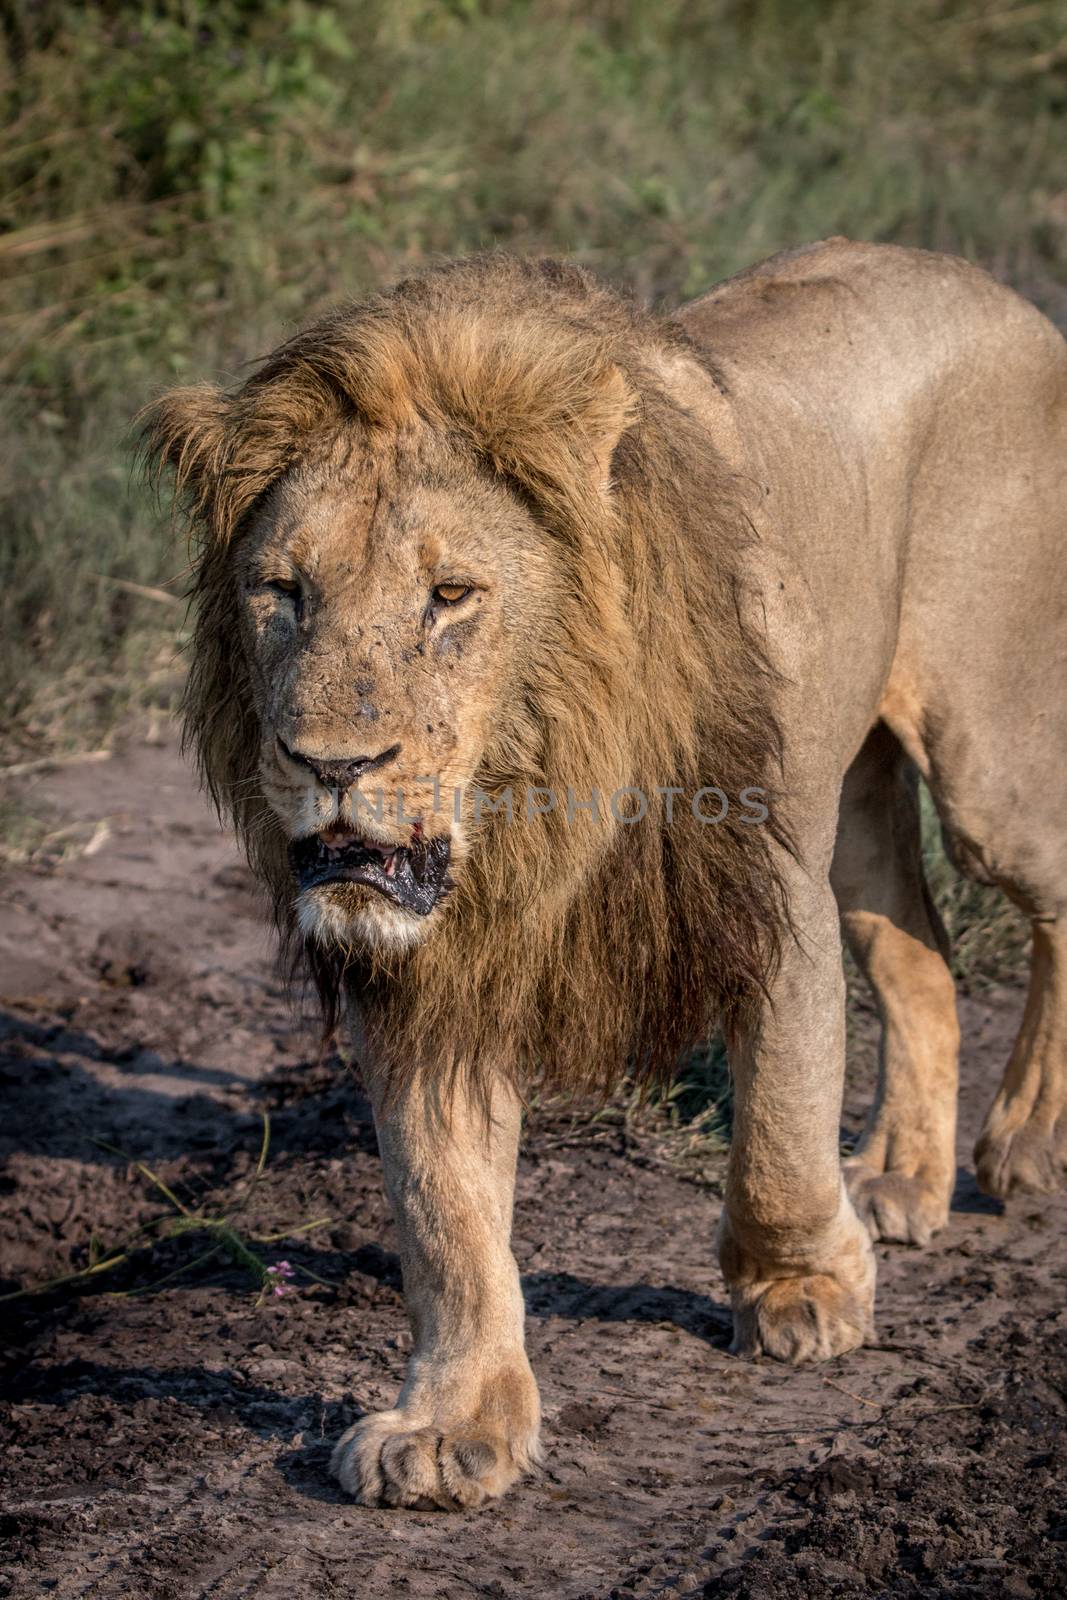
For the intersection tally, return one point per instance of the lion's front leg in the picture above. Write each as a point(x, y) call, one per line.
point(796, 1258)
point(466, 1422)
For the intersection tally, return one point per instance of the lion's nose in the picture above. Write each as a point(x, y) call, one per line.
point(339, 772)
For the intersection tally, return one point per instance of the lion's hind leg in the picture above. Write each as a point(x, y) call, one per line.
point(902, 1173)
point(1022, 1148)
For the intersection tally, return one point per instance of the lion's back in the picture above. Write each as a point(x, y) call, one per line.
point(839, 307)
point(907, 417)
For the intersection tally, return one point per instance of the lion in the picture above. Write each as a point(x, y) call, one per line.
point(497, 575)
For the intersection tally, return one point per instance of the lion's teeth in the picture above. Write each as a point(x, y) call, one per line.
point(336, 839)
point(390, 865)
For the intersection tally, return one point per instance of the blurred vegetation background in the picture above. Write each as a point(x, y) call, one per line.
point(182, 183)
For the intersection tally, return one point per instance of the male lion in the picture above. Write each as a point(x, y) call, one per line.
point(499, 534)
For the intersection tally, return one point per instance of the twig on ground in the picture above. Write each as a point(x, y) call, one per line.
point(70, 1277)
point(146, 1172)
point(876, 1405)
point(144, 590)
point(22, 769)
point(264, 1147)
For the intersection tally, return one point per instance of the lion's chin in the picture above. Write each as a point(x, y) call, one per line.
point(350, 916)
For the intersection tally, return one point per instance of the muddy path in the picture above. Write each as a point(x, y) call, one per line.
point(171, 1439)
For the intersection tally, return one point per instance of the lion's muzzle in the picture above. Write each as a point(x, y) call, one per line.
point(414, 877)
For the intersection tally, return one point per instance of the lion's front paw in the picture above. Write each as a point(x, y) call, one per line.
point(801, 1319)
point(897, 1208)
point(1030, 1158)
point(452, 1446)
point(801, 1315)
point(386, 1461)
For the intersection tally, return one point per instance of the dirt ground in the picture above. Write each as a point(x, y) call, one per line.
point(171, 1440)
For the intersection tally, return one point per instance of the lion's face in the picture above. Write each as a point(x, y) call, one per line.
point(381, 591)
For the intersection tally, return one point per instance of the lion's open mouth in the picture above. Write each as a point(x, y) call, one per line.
point(413, 876)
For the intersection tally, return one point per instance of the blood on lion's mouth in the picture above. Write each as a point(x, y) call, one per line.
point(412, 876)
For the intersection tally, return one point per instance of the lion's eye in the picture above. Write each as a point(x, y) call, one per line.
point(286, 586)
point(451, 594)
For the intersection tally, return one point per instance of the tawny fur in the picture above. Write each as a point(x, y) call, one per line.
point(825, 561)
point(573, 952)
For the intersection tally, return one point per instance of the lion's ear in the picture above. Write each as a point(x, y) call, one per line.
point(185, 430)
point(611, 408)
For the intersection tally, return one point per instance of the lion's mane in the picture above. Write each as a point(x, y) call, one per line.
point(559, 953)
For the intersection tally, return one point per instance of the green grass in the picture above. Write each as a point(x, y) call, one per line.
point(181, 183)
point(222, 1228)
